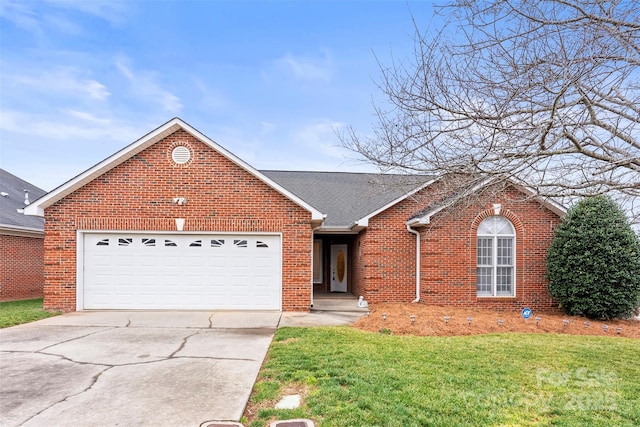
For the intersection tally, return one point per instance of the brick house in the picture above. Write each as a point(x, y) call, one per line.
point(175, 221)
point(21, 240)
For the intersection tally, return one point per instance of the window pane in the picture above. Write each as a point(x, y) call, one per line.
point(125, 242)
point(504, 281)
point(149, 242)
point(485, 253)
point(495, 225)
point(503, 226)
point(505, 251)
point(485, 279)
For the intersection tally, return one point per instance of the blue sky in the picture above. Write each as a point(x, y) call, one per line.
point(271, 81)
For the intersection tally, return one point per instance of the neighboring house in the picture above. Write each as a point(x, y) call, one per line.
point(21, 240)
point(175, 221)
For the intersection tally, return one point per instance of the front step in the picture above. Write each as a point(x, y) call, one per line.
point(337, 303)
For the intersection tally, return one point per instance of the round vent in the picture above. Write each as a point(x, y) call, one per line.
point(181, 155)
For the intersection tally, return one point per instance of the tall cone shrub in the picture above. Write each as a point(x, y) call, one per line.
point(593, 264)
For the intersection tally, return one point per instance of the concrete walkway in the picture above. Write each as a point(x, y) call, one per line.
point(328, 310)
point(132, 368)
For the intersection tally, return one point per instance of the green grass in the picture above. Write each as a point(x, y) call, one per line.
point(18, 312)
point(363, 379)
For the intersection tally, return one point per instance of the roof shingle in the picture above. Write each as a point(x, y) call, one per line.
point(14, 188)
point(346, 197)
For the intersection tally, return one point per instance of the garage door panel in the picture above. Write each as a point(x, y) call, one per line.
point(147, 271)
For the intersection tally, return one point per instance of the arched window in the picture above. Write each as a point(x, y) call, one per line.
point(496, 258)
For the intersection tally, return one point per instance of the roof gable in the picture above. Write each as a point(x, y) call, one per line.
point(423, 217)
point(37, 208)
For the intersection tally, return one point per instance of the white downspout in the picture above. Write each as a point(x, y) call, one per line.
point(412, 231)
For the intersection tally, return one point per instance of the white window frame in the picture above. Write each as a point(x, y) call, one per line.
point(497, 232)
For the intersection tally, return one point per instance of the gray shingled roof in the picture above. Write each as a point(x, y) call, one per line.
point(346, 197)
point(14, 200)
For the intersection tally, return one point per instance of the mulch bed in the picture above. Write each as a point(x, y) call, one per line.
point(430, 321)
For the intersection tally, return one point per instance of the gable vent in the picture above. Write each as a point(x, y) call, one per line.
point(181, 155)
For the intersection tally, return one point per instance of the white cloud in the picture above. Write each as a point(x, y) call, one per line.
point(39, 17)
point(112, 11)
point(69, 81)
point(267, 127)
point(48, 149)
point(124, 69)
point(63, 24)
point(209, 98)
point(321, 137)
point(88, 117)
point(144, 83)
point(21, 15)
point(68, 126)
point(282, 145)
point(306, 68)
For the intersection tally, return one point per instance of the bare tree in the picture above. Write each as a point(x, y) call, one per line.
point(544, 92)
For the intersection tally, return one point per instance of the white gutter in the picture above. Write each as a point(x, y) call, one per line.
point(412, 231)
point(19, 231)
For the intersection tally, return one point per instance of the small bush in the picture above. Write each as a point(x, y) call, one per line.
point(593, 263)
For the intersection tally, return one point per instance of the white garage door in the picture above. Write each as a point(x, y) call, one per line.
point(181, 271)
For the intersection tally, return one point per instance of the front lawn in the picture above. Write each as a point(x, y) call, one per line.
point(17, 312)
point(354, 378)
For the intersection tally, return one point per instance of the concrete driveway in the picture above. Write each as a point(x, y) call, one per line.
point(132, 368)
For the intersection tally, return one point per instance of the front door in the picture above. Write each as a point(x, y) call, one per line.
point(338, 268)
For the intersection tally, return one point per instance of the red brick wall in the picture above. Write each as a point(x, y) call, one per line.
point(137, 195)
point(448, 260)
point(21, 267)
point(385, 256)
point(385, 271)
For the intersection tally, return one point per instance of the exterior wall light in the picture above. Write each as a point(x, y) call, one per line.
point(180, 201)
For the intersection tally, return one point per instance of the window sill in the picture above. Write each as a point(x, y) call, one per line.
point(495, 297)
